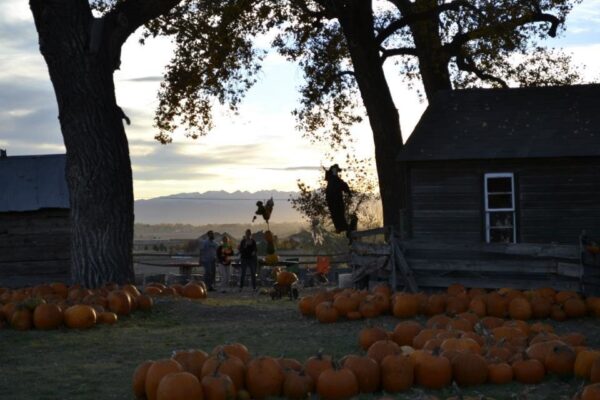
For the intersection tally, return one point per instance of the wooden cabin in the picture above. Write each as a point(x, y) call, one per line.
point(34, 220)
point(504, 171)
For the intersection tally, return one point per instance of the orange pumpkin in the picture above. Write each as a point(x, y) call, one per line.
point(326, 313)
point(191, 361)
point(218, 387)
point(139, 379)
point(397, 373)
point(80, 317)
point(264, 378)
point(297, 385)
point(47, 316)
point(228, 365)
point(366, 370)
point(337, 384)
point(179, 386)
point(315, 365)
point(21, 319)
point(405, 332)
point(107, 317)
point(119, 302)
point(369, 335)
point(156, 371)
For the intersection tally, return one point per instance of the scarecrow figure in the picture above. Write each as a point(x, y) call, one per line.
point(334, 194)
point(264, 209)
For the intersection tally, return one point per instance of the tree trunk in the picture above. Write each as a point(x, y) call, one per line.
point(98, 165)
point(433, 61)
point(356, 20)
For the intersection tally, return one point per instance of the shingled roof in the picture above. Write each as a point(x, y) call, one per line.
point(29, 183)
point(508, 123)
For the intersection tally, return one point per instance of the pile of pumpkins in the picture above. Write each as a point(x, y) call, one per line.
point(230, 372)
point(470, 351)
point(191, 290)
point(50, 306)
point(332, 305)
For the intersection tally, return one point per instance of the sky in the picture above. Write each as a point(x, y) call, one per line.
point(257, 149)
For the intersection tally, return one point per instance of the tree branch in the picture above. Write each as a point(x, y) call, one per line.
point(126, 17)
point(419, 16)
point(400, 51)
point(467, 65)
point(460, 39)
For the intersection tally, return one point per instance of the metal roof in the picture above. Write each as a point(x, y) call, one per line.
point(29, 183)
point(532, 122)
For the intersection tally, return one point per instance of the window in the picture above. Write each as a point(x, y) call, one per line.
point(500, 220)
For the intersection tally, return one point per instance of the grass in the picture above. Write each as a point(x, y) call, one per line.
point(98, 363)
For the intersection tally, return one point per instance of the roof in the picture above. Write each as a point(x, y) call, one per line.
point(508, 123)
point(29, 183)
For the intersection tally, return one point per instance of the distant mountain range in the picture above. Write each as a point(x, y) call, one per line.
point(214, 207)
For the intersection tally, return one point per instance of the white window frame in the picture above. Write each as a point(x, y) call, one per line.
point(488, 209)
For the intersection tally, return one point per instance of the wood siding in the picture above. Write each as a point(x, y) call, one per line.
point(555, 199)
point(34, 247)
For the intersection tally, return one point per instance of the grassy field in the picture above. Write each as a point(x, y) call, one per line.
point(98, 363)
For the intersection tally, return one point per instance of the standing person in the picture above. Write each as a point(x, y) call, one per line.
point(248, 258)
point(334, 195)
point(224, 254)
point(208, 258)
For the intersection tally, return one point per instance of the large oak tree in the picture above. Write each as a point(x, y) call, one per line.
point(342, 46)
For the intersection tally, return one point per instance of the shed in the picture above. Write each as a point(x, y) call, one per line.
point(511, 167)
point(34, 220)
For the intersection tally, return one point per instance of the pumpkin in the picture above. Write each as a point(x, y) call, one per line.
point(286, 278)
point(460, 324)
point(80, 317)
point(145, 302)
point(119, 302)
point(406, 305)
point(469, 369)
point(436, 304)
point(591, 392)
point(290, 364)
point(541, 307)
point(47, 316)
point(500, 373)
point(297, 385)
point(264, 377)
point(193, 291)
point(60, 289)
point(519, 308)
point(179, 386)
point(21, 319)
point(530, 371)
point(354, 315)
point(326, 313)
point(575, 308)
point(397, 373)
point(438, 321)
point(432, 371)
point(557, 313)
point(583, 363)
point(152, 290)
point(158, 370)
point(461, 344)
point(315, 365)
point(107, 317)
point(366, 370)
point(369, 335)
point(424, 336)
point(382, 348)
point(228, 365)
point(560, 360)
point(337, 384)
point(138, 383)
point(491, 322)
point(562, 296)
point(345, 303)
point(456, 289)
point(217, 387)
point(456, 305)
point(496, 305)
point(369, 308)
point(405, 332)
point(234, 349)
point(595, 371)
point(191, 361)
point(306, 306)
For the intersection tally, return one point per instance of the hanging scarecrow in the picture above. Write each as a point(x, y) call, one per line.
point(334, 195)
point(264, 209)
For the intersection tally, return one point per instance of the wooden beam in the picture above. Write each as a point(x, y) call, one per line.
point(495, 283)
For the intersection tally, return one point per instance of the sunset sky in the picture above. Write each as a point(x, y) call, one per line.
point(257, 149)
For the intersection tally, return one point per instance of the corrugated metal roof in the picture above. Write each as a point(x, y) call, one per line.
point(508, 123)
point(29, 183)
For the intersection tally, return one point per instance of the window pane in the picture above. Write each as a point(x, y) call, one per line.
point(499, 185)
point(501, 235)
point(500, 201)
point(501, 220)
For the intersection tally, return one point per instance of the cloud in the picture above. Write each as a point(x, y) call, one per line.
point(300, 168)
point(146, 79)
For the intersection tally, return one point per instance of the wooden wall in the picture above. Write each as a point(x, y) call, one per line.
point(555, 199)
point(34, 247)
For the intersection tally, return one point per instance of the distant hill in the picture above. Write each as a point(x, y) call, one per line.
point(214, 207)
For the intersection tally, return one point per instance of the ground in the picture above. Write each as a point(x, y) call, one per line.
point(98, 363)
